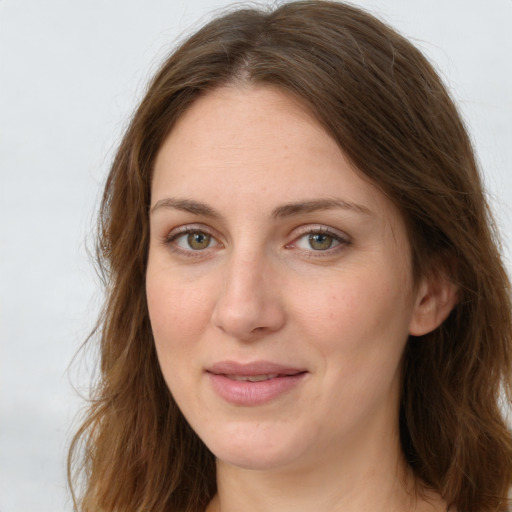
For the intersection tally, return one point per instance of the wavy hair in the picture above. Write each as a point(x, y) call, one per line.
point(388, 110)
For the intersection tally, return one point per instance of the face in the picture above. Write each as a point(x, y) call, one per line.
point(278, 283)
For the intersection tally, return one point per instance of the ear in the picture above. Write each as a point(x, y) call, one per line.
point(436, 297)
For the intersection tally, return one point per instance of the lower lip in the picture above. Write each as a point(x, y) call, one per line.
point(253, 393)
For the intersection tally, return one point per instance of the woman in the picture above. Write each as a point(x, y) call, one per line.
point(306, 305)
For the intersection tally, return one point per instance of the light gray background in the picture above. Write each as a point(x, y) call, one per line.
point(71, 73)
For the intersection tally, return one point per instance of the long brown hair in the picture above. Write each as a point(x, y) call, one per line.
point(385, 105)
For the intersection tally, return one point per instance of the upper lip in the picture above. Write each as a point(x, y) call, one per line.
point(253, 368)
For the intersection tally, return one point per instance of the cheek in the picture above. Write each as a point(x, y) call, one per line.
point(353, 304)
point(357, 322)
point(178, 316)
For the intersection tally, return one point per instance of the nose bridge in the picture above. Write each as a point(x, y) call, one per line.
point(242, 274)
point(248, 303)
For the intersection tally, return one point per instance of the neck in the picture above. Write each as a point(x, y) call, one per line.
point(371, 478)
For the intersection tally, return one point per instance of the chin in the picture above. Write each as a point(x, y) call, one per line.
point(256, 449)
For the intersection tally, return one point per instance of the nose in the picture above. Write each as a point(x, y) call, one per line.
point(249, 304)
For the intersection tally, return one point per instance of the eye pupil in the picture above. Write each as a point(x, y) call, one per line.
point(320, 241)
point(198, 241)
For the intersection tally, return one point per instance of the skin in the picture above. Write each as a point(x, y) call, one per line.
point(255, 286)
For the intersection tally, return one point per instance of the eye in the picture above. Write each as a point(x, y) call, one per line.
point(317, 241)
point(192, 240)
point(320, 240)
point(196, 241)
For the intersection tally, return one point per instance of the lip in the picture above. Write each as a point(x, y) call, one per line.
point(228, 380)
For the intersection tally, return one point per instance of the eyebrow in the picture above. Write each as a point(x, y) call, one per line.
point(300, 207)
point(187, 205)
point(286, 210)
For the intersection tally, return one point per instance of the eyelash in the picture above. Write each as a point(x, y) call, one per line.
point(183, 231)
point(342, 241)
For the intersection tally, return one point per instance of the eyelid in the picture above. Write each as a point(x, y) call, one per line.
point(188, 228)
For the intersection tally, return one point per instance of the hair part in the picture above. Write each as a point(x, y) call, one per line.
point(385, 105)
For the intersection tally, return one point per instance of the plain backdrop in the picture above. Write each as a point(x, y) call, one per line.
point(71, 74)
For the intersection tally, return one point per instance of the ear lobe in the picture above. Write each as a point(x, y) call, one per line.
point(436, 297)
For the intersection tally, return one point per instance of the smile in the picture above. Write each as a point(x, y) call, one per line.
point(254, 383)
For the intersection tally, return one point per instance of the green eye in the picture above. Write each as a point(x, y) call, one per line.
point(320, 241)
point(198, 240)
point(190, 240)
point(317, 241)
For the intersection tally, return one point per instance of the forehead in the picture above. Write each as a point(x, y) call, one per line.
point(256, 144)
point(242, 119)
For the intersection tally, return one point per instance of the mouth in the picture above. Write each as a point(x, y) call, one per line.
point(254, 383)
point(262, 370)
point(252, 378)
